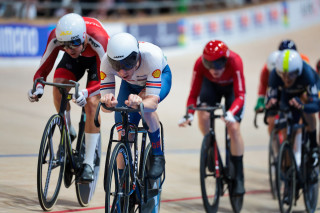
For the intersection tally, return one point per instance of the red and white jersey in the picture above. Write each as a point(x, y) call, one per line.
point(97, 39)
point(148, 74)
point(233, 74)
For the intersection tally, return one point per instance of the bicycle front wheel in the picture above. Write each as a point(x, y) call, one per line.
point(210, 179)
point(286, 178)
point(117, 185)
point(311, 184)
point(51, 162)
point(274, 145)
point(85, 191)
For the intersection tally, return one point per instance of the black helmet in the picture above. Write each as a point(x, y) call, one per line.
point(287, 44)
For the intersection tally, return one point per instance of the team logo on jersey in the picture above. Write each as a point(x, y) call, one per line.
point(156, 73)
point(102, 75)
point(63, 33)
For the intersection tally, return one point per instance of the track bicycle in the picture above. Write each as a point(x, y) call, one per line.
point(290, 177)
point(214, 175)
point(58, 160)
point(127, 186)
point(275, 140)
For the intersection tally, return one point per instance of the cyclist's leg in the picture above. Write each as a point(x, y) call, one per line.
point(209, 96)
point(237, 144)
point(157, 160)
point(92, 133)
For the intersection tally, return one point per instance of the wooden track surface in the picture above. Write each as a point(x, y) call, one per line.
point(22, 123)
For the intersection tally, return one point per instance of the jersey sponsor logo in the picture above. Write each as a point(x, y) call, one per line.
point(93, 43)
point(156, 73)
point(64, 33)
point(102, 75)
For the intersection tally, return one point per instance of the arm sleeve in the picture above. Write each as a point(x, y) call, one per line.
point(195, 89)
point(263, 84)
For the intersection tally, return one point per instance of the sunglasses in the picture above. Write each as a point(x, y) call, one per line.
point(125, 64)
point(216, 64)
point(291, 75)
point(70, 44)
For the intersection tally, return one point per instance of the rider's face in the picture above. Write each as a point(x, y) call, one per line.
point(75, 51)
point(216, 73)
point(288, 80)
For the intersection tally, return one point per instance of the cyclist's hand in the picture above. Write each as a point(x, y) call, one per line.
point(133, 101)
point(186, 120)
point(271, 103)
point(109, 100)
point(229, 118)
point(260, 106)
point(37, 94)
point(81, 100)
point(296, 102)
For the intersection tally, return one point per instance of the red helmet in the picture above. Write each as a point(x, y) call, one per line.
point(215, 51)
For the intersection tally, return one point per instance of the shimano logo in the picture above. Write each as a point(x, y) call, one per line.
point(119, 56)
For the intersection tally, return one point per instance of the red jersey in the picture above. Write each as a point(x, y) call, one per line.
point(233, 74)
point(97, 39)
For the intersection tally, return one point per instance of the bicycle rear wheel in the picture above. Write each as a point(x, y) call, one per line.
point(274, 145)
point(85, 191)
point(211, 183)
point(51, 162)
point(311, 187)
point(153, 194)
point(286, 177)
point(117, 183)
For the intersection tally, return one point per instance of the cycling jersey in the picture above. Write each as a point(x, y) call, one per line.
point(232, 75)
point(96, 47)
point(148, 74)
point(306, 82)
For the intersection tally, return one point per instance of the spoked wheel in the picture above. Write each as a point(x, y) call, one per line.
point(117, 185)
point(274, 145)
point(85, 191)
point(311, 185)
point(211, 182)
point(51, 163)
point(286, 178)
point(152, 194)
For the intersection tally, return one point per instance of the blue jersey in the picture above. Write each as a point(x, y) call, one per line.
point(307, 82)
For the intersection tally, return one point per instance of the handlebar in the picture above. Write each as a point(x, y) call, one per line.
point(123, 109)
point(209, 109)
point(59, 85)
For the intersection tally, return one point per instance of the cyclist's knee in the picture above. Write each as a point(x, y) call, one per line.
point(234, 128)
point(91, 106)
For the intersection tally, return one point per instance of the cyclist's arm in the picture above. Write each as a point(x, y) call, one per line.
point(263, 84)
point(238, 86)
point(48, 58)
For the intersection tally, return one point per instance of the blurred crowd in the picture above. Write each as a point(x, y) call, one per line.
point(31, 9)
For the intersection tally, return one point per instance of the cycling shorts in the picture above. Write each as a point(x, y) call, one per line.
point(211, 94)
point(74, 68)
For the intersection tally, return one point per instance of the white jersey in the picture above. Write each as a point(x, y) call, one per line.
point(147, 75)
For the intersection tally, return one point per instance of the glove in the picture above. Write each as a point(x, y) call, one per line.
point(81, 100)
point(229, 117)
point(260, 106)
point(184, 119)
point(38, 93)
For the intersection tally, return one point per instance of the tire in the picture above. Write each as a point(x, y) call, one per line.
point(274, 144)
point(211, 185)
point(286, 178)
point(85, 191)
point(117, 188)
point(153, 195)
point(51, 162)
point(310, 188)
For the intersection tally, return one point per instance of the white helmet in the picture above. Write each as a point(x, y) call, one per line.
point(271, 62)
point(289, 61)
point(71, 27)
point(123, 51)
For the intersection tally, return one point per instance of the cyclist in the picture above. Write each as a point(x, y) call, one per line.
point(84, 43)
point(264, 77)
point(146, 77)
point(293, 77)
point(218, 73)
